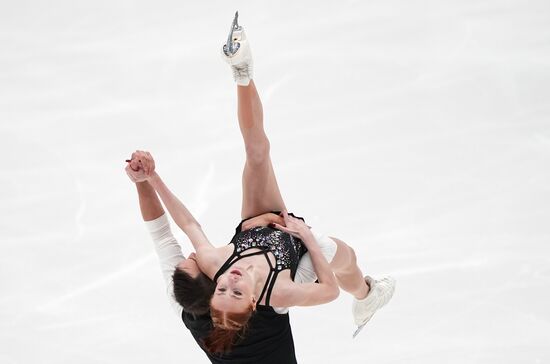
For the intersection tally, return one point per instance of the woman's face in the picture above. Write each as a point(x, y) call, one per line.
point(235, 290)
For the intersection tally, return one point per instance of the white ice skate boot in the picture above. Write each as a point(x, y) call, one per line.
point(236, 52)
point(381, 291)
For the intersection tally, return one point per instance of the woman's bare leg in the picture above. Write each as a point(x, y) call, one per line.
point(348, 275)
point(260, 190)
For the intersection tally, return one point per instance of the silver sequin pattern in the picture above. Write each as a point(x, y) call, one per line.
point(286, 249)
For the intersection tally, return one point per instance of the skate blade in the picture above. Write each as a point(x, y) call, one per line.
point(358, 330)
point(231, 47)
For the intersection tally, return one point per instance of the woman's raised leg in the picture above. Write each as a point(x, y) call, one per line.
point(260, 189)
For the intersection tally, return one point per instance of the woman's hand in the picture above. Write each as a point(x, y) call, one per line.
point(295, 227)
point(262, 220)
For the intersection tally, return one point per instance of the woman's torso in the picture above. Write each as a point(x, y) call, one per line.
point(273, 253)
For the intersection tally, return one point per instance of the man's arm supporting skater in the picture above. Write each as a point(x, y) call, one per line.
point(166, 246)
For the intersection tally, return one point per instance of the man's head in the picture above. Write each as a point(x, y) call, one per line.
point(192, 288)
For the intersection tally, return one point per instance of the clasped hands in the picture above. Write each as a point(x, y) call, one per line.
point(141, 167)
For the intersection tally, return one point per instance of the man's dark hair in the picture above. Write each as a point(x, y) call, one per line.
point(193, 294)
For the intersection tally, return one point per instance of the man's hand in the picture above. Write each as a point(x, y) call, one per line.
point(141, 167)
point(135, 176)
point(262, 220)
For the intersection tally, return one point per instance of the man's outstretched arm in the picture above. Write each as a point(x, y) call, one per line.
point(166, 246)
point(149, 203)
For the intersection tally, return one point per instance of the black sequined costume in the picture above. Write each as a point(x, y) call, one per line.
point(286, 249)
point(268, 338)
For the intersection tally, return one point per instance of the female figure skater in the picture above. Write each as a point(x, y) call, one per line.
point(269, 339)
point(259, 266)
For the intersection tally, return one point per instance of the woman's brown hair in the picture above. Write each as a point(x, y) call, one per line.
point(227, 328)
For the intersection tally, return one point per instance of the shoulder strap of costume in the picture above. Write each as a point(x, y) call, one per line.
point(241, 255)
point(271, 285)
point(268, 279)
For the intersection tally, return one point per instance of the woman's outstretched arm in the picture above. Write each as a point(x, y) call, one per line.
point(181, 215)
point(143, 161)
point(309, 294)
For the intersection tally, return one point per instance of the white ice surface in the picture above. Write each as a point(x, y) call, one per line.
point(417, 131)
